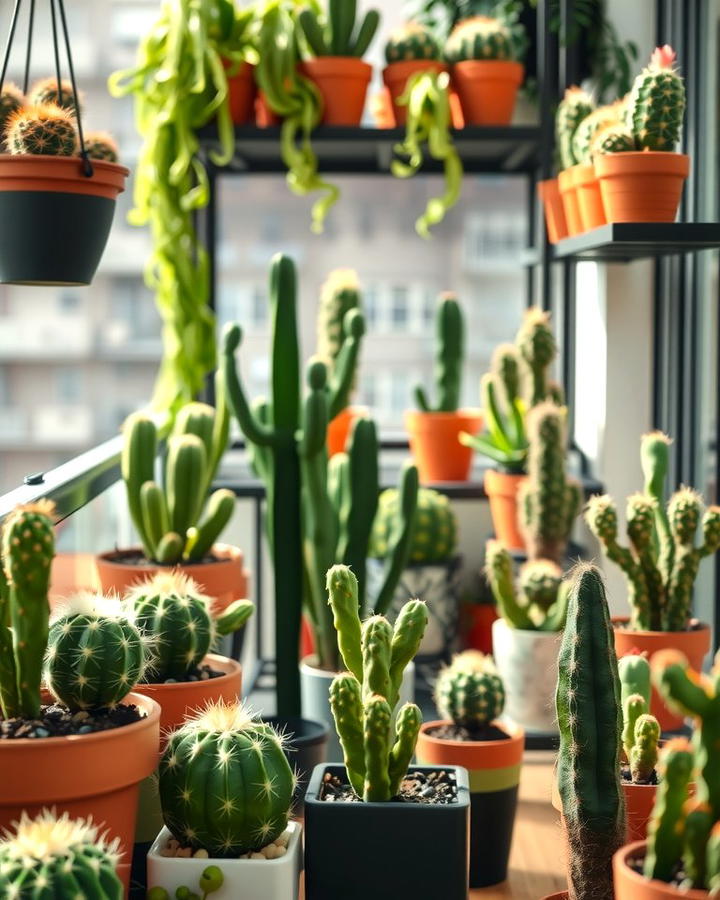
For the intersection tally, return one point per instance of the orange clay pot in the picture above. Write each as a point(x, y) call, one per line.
point(568, 193)
point(84, 775)
point(475, 756)
point(396, 75)
point(639, 802)
point(631, 885)
point(61, 174)
point(224, 581)
point(242, 90)
point(434, 441)
point(456, 112)
point(642, 186)
point(476, 621)
point(339, 428)
point(555, 222)
point(264, 116)
point(694, 644)
point(382, 109)
point(589, 198)
point(343, 82)
point(487, 89)
point(502, 490)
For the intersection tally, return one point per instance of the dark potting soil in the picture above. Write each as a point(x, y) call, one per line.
point(58, 721)
point(202, 673)
point(453, 732)
point(678, 880)
point(138, 558)
point(435, 788)
point(627, 777)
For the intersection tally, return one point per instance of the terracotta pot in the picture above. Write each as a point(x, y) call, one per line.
point(589, 197)
point(434, 442)
point(396, 77)
point(225, 580)
point(631, 885)
point(694, 644)
point(264, 116)
point(568, 193)
point(242, 93)
point(339, 428)
point(476, 621)
point(382, 109)
point(456, 112)
point(555, 222)
point(487, 89)
point(343, 82)
point(502, 490)
point(84, 775)
point(642, 186)
point(307, 638)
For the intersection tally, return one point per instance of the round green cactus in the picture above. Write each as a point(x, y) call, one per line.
point(11, 102)
point(95, 654)
point(657, 103)
point(574, 108)
point(46, 91)
point(479, 38)
point(101, 145)
point(60, 858)
point(412, 41)
point(471, 693)
point(339, 294)
point(42, 131)
point(434, 535)
point(598, 120)
point(614, 139)
point(225, 783)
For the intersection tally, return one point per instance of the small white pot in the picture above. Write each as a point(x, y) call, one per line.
point(245, 879)
point(527, 664)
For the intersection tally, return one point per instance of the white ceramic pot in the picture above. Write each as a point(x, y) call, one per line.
point(527, 663)
point(245, 879)
point(315, 695)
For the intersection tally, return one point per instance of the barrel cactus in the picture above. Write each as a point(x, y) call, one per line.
point(472, 696)
point(47, 91)
point(412, 41)
point(59, 858)
point(225, 783)
point(12, 101)
point(434, 532)
point(43, 131)
point(574, 108)
point(478, 38)
point(101, 145)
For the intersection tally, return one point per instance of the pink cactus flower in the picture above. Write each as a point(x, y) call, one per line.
point(663, 57)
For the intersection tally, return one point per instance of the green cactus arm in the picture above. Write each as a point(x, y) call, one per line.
point(234, 617)
point(421, 399)
point(376, 737)
point(498, 571)
point(312, 31)
point(365, 33)
point(261, 455)
point(342, 587)
point(654, 461)
point(137, 465)
point(640, 513)
point(666, 828)
point(347, 710)
point(376, 643)
point(343, 372)
point(712, 860)
point(285, 344)
point(170, 549)
point(341, 17)
point(681, 688)
point(407, 635)
point(9, 698)
point(407, 729)
point(449, 353)
point(198, 419)
point(644, 753)
point(634, 671)
point(557, 614)
point(633, 707)
point(184, 476)
point(255, 431)
point(698, 825)
point(399, 539)
point(364, 489)
point(220, 509)
point(155, 516)
point(221, 429)
point(338, 485)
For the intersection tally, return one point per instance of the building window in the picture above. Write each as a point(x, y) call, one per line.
point(370, 307)
point(69, 302)
point(259, 304)
point(68, 385)
point(399, 309)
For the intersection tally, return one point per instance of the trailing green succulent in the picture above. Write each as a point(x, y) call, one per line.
point(47, 91)
point(42, 131)
point(28, 548)
point(590, 724)
point(12, 100)
point(538, 602)
point(548, 501)
point(470, 692)
point(168, 514)
point(96, 652)
point(338, 33)
point(427, 97)
point(478, 38)
point(225, 783)
point(574, 108)
point(170, 610)
point(434, 533)
point(339, 294)
point(62, 858)
point(101, 145)
point(412, 41)
point(449, 356)
point(662, 560)
point(362, 699)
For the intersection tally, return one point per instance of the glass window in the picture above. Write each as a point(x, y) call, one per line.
point(399, 308)
point(68, 384)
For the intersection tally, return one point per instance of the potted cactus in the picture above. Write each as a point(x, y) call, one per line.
point(660, 563)
point(573, 109)
point(226, 788)
point(434, 428)
point(433, 568)
point(641, 175)
point(411, 48)
point(375, 800)
point(481, 52)
point(587, 187)
point(640, 737)
point(337, 44)
point(54, 745)
point(470, 697)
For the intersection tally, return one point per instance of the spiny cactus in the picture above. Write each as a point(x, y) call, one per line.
point(472, 695)
point(336, 34)
point(538, 602)
point(597, 121)
point(42, 131)
point(634, 670)
point(644, 752)
point(412, 41)
point(171, 611)
point(12, 101)
point(96, 653)
point(339, 294)
point(245, 805)
point(59, 858)
point(480, 37)
point(28, 548)
point(614, 139)
point(590, 723)
point(575, 106)
point(101, 145)
point(46, 91)
point(449, 353)
point(434, 532)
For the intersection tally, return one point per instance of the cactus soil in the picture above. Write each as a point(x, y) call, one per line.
point(57, 721)
point(631, 884)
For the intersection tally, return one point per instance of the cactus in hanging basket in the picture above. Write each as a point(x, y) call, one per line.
point(45, 130)
point(12, 100)
point(101, 145)
point(47, 90)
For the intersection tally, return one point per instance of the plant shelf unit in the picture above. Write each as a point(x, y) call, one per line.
point(624, 242)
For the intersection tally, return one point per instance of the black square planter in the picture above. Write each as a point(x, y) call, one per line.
point(386, 851)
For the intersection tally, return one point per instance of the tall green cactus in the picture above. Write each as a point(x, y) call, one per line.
point(575, 106)
point(336, 33)
point(449, 354)
point(590, 723)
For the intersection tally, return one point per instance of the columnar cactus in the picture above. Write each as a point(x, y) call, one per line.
point(101, 145)
point(46, 91)
point(449, 353)
point(336, 33)
point(434, 533)
point(548, 501)
point(472, 696)
point(58, 857)
point(43, 131)
point(634, 672)
point(574, 108)
point(225, 782)
point(590, 723)
point(339, 294)
point(12, 101)
point(480, 37)
point(96, 654)
point(412, 41)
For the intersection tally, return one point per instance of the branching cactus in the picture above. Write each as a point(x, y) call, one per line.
point(47, 91)
point(574, 108)
point(12, 101)
point(449, 354)
point(471, 695)
point(337, 33)
point(42, 131)
point(225, 782)
point(590, 723)
point(339, 295)
point(58, 857)
point(480, 37)
point(538, 602)
point(548, 501)
point(170, 610)
point(412, 41)
point(434, 532)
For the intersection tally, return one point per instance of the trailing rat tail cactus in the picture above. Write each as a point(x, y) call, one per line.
point(657, 103)
point(473, 696)
point(434, 533)
point(338, 34)
point(58, 857)
point(590, 723)
point(101, 145)
point(12, 101)
point(339, 294)
point(412, 41)
point(478, 38)
point(574, 108)
point(225, 783)
point(548, 501)
point(449, 352)
point(42, 131)
point(46, 91)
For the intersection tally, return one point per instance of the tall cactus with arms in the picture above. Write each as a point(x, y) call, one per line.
point(448, 357)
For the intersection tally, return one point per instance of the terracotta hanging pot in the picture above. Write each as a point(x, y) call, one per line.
point(632, 885)
point(396, 76)
point(343, 82)
point(568, 193)
point(487, 89)
point(643, 186)
point(589, 197)
point(435, 444)
point(502, 489)
point(242, 91)
point(555, 222)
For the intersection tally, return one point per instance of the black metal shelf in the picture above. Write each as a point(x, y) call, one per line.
point(625, 242)
point(369, 151)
